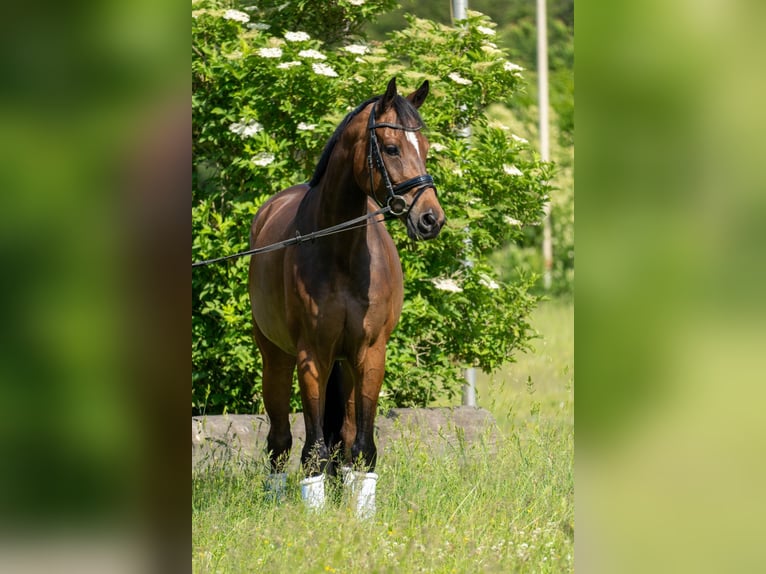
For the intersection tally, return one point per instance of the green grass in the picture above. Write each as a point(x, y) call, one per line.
point(496, 506)
point(539, 387)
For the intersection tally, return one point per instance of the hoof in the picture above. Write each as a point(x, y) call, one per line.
point(361, 488)
point(275, 487)
point(312, 492)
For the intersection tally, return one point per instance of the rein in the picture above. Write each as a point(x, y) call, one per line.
point(395, 205)
point(345, 226)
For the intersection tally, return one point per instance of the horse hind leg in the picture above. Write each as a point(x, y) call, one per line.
point(339, 388)
point(278, 368)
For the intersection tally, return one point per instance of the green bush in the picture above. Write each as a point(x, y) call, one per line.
point(265, 101)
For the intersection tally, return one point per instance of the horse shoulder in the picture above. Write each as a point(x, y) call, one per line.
point(277, 214)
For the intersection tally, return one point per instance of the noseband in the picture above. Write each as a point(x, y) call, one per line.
point(395, 201)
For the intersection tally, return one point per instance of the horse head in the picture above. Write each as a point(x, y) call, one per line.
point(393, 168)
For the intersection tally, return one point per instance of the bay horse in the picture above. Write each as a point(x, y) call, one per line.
point(329, 306)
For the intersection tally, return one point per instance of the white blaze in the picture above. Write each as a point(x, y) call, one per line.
point(413, 139)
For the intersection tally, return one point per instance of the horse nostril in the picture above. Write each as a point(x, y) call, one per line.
point(428, 220)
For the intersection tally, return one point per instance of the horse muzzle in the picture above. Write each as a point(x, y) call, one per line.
point(425, 218)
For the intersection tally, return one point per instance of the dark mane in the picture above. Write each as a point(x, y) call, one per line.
point(408, 116)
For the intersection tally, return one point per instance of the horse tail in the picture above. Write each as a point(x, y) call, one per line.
point(335, 407)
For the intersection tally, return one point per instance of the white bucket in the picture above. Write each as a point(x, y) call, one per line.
point(361, 487)
point(275, 487)
point(312, 492)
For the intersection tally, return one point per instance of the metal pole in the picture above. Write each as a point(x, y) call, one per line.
point(459, 8)
point(469, 388)
point(542, 89)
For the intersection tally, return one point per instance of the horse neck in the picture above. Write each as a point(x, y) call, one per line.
point(331, 203)
point(339, 198)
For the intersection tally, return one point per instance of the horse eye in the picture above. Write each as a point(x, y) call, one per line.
point(392, 150)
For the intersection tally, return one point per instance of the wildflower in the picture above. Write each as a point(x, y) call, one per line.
point(519, 139)
point(246, 129)
point(437, 147)
point(356, 49)
point(297, 36)
point(511, 67)
point(511, 221)
point(447, 285)
point(263, 159)
point(286, 65)
point(486, 31)
point(235, 55)
point(312, 54)
point(304, 127)
point(236, 15)
point(324, 70)
point(458, 79)
point(258, 26)
point(270, 52)
point(512, 170)
point(356, 2)
point(489, 282)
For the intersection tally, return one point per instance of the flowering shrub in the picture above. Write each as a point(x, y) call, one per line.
point(265, 100)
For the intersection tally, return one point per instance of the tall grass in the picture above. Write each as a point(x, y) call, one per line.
point(539, 387)
point(502, 504)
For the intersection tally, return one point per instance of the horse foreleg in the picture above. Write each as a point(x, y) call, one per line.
point(368, 380)
point(359, 480)
point(313, 373)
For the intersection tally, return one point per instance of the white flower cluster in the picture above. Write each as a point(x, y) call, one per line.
point(270, 52)
point(486, 31)
point(304, 127)
point(437, 147)
point(324, 70)
point(512, 221)
point(258, 26)
point(356, 2)
point(286, 65)
point(356, 49)
point(236, 15)
point(458, 79)
point(519, 139)
point(263, 159)
point(488, 282)
point(297, 36)
point(246, 129)
point(511, 67)
point(312, 54)
point(512, 170)
point(490, 48)
point(447, 285)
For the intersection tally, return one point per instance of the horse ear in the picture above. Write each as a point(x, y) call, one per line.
point(388, 97)
point(417, 97)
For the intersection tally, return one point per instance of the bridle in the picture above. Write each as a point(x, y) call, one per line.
point(395, 201)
